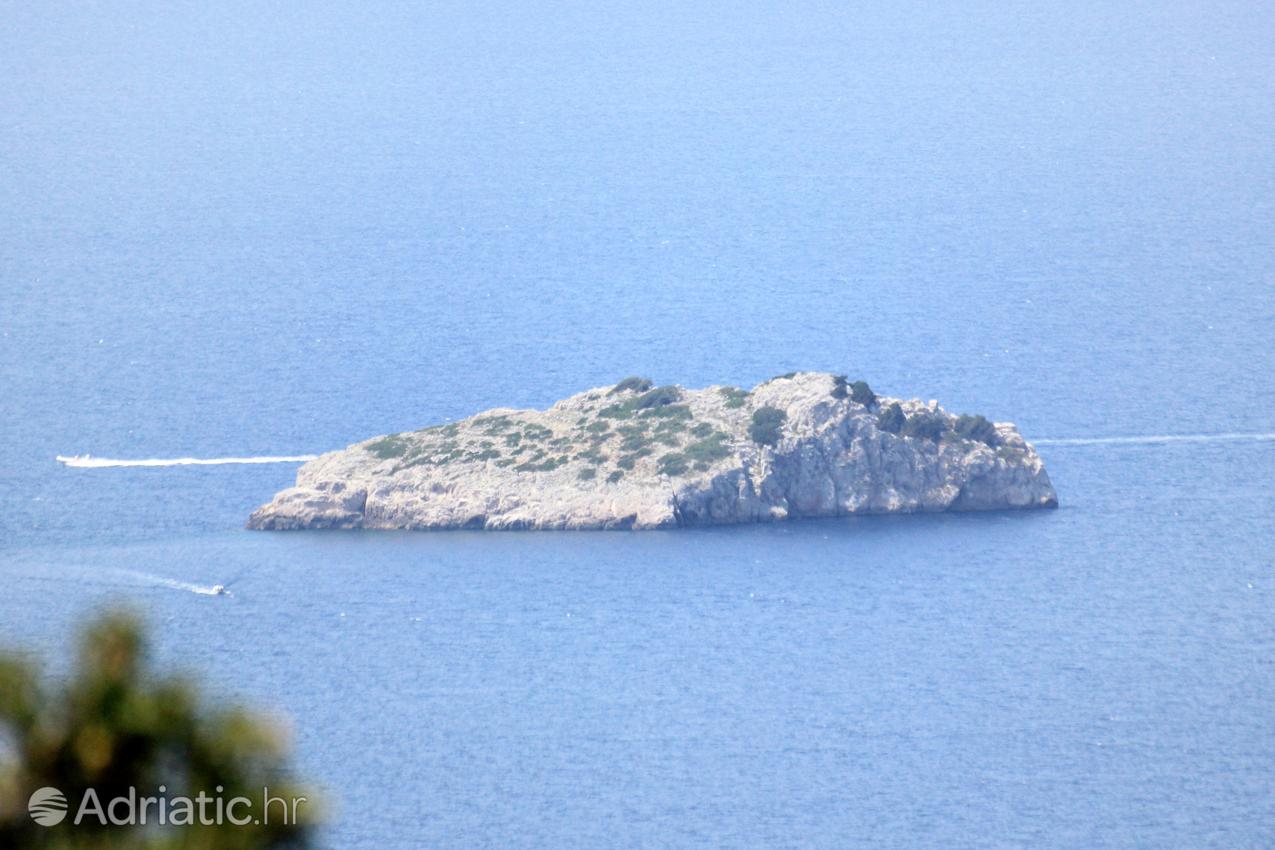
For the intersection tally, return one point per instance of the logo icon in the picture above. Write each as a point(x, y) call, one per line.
point(47, 807)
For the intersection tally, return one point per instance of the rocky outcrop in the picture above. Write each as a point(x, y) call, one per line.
point(636, 456)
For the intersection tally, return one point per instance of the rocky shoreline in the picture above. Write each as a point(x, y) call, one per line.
point(808, 444)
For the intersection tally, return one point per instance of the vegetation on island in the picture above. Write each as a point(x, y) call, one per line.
point(859, 392)
point(976, 428)
point(651, 400)
point(931, 425)
point(617, 429)
point(767, 425)
point(891, 419)
point(632, 383)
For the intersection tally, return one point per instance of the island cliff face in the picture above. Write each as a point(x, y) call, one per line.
point(809, 444)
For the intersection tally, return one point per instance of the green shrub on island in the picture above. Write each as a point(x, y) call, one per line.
point(635, 441)
point(614, 476)
point(492, 424)
point(892, 419)
point(658, 397)
point(976, 428)
point(673, 463)
point(669, 411)
point(925, 426)
point(630, 460)
point(537, 465)
point(389, 447)
point(1011, 454)
point(533, 431)
point(735, 397)
point(767, 425)
point(592, 454)
point(839, 386)
point(861, 393)
point(587, 474)
point(633, 383)
point(710, 448)
point(649, 400)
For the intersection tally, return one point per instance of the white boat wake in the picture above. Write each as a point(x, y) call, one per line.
point(175, 584)
point(1153, 439)
point(88, 462)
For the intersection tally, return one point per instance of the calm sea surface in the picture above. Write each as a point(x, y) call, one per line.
point(234, 229)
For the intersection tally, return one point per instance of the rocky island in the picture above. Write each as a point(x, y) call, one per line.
point(633, 455)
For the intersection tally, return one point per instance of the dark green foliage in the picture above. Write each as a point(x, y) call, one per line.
point(485, 454)
point(708, 449)
point(445, 430)
point(976, 428)
point(388, 447)
point(628, 461)
point(536, 432)
point(839, 387)
point(735, 397)
point(592, 454)
point(633, 442)
point(1011, 454)
point(675, 422)
point(615, 476)
point(861, 393)
point(513, 438)
point(597, 427)
point(658, 397)
point(767, 425)
point(616, 411)
point(632, 383)
point(537, 465)
point(673, 463)
point(925, 426)
point(492, 424)
point(650, 400)
point(671, 411)
point(587, 474)
point(702, 429)
point(114, 724)
point(892, 419)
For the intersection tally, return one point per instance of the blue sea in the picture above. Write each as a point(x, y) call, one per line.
point(249, 229)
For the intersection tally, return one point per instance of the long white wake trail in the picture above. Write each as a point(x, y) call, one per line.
point(1153, 439)
point(86, 462)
